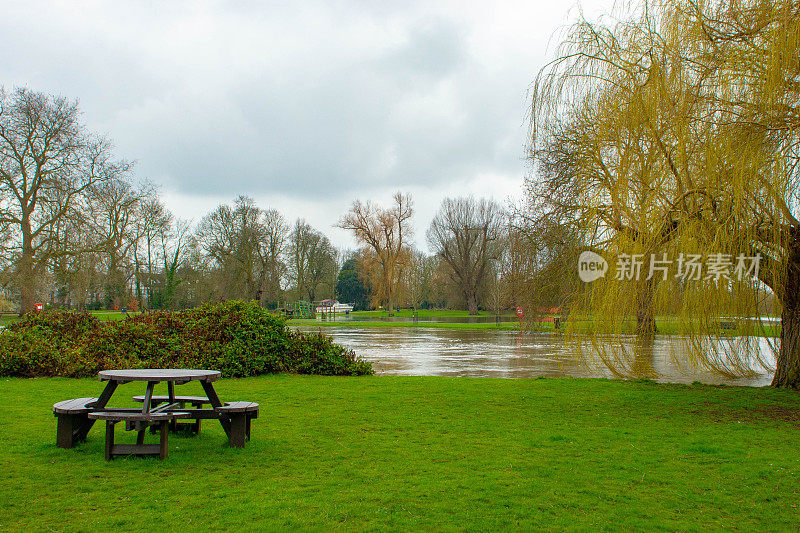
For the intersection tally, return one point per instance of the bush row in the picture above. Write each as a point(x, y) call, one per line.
point(237, 338)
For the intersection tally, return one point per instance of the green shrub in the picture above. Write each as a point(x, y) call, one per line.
point(237, 338)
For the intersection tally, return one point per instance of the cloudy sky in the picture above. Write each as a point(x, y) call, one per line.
point(304, 106)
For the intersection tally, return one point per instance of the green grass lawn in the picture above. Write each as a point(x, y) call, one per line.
point(411, 453)
point(380, 324)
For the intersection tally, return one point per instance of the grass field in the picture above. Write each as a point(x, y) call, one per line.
point(409, 453)
point(666, 325)
point(381, 324)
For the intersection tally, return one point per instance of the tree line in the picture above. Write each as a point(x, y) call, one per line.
point(79, 231)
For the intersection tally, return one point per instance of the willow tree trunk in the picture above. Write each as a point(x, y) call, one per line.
point(645, 319)
point(787, 368)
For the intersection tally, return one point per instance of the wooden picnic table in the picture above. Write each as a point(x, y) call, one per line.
point(79, 415)
point(153, 376)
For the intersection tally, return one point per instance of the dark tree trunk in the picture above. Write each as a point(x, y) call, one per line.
point(387, 280)
point(787, 368)
point(26, 277)
point(645, 319)
point(472, 302)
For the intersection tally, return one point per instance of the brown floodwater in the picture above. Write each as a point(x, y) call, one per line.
point(522, 354)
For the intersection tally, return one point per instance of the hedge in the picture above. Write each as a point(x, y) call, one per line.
point(237, 338)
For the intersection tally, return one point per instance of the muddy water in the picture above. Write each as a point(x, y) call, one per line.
point(513, 354)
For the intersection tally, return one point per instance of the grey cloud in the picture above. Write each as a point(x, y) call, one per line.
point(300, 108)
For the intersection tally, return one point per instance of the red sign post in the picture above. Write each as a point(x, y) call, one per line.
point(519, 315)
point(39, 307)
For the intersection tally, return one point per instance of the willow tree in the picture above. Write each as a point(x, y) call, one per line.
point(714, 86)
point(385, 232)
point(751, 52)
point(612, 159)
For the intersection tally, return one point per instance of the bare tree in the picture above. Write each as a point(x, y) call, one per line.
point(231, 236)
point(384, 231)
point(48, 161)
point(117, 205)
point(270, 252)
point(312, 261)
point(153, 221)
point(466, 233)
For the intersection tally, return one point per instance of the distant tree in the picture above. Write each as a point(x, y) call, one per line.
point(48, 162)
point(351, 287)
point(312, 262)
point(175, 241)
point(385, 232)
point(272, 266)
point(244, 244)
point(466, 233)
point(116, 206)
point(418, 280)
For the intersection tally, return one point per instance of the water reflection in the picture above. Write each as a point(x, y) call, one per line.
point(518, 354)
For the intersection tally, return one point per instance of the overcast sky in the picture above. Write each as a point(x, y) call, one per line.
point(304, 106)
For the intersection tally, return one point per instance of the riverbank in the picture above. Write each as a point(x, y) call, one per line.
point(455, 319)
point(380, 319)
point(423, 453)
point(503, 326)
point(666, 326)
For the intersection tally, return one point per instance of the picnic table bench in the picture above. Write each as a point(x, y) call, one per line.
point(196, 402)
point(72, 424)
point(239, 415)
point(76, 416)
point(160, 420)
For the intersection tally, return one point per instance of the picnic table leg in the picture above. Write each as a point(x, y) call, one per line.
point(164, 440)
point(109, 440)
point(215, 402)
point(65, 428)
point(173, 425)
point(238, 430)
point(148, 396)
point(82, 424)
point(101, 402)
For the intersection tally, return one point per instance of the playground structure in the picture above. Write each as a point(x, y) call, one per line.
point(326, 309)
point(299, 309)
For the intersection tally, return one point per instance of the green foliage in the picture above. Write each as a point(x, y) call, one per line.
point(350, 287)
point(237, 338)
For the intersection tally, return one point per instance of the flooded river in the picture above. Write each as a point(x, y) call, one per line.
point(513, 354)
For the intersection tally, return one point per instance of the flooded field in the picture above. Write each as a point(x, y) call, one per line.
point(513, 354)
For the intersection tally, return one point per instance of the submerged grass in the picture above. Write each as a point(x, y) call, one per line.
point(666, 325)
point(412, 453)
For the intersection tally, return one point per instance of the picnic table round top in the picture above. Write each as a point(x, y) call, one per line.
point(159, 374)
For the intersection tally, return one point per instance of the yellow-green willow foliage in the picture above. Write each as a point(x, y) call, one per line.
point(672, 134)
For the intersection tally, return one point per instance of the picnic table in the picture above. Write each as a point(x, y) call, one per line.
point(77, 416)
